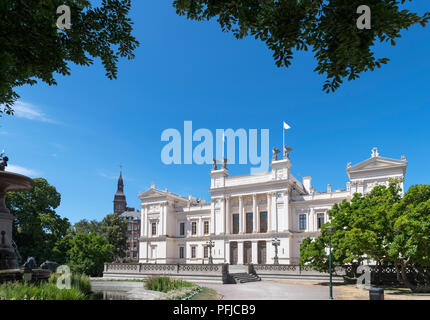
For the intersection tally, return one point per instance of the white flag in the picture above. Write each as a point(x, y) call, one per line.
point(286, 126)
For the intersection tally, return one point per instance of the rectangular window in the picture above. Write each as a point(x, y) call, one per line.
point(193, 252)
point(249, 222)
point(134, 254)
point(206, 227)
point(135, 245)
point(154, 228)
point(320, 220)
point(181, 252)
point(236, 223)
point(135, 236)
point(263, 221)
point(206, 252)
point(182, 229)
point(129, 227)
point(193, 228)
point(135, 227)
point(302, 222)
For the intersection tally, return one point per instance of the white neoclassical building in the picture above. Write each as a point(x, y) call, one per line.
point(246, 212)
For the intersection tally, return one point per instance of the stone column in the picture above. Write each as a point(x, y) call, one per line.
point(226, 251)
point(286, 212)
point(254, 213)
point(240, 252)
point(254, 259)
point(143, 221)
point(312, 220)
point(222, 231)
point(161, 221)
point(228, 219)
point(241, 222)
point(258, 219)
point(200, 230)
point(269, 252)
point(275, 212)
point(269, 213)
point(212, 223)
point(165, 219)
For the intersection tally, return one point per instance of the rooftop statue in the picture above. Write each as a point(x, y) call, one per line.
point(287, 151)
point(214, 167)
point(275, 153)
point(3, 162)
point(224, 163)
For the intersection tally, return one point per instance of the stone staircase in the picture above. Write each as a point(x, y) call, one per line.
point(244, 277)
point(239, 274)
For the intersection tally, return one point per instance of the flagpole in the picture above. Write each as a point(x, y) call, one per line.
point(283, 136)
point(222, 146)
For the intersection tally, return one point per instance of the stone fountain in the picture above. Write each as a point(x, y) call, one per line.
point(9, 182)
point(9, 266)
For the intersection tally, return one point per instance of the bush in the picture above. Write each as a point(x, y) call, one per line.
point(80, 289)
point(78, 281)
point(38, 291)
point(165, 284)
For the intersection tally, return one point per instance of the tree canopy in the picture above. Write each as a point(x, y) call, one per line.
point(380, 226)
point(88, 253)
point(329, 28)
point(113, 228)
point(37, 226)
point(32, 48)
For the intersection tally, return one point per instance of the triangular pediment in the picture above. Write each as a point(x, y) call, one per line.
point(376, 163)
point(153, 193)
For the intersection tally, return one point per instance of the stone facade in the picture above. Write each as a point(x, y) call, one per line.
point(246, 212)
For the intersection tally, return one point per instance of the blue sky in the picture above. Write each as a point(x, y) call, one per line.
point(77, 134)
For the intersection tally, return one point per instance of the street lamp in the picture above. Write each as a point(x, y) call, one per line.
point(276, 242)
point(210, 244)
point(329, 230)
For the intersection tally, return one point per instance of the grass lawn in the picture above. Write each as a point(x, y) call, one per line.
point(206, 294)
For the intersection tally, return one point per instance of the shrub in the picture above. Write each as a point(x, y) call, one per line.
point(38, 291)
point(165, 284)
point(80, 282)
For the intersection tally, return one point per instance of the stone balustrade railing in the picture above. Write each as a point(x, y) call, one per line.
point(289, 271)
point(199, 272)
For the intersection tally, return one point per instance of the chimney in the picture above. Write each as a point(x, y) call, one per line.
point(329, 188)
point(307, 183)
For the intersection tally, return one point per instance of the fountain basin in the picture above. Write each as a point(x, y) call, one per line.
point(9, 181)
point(18, 275)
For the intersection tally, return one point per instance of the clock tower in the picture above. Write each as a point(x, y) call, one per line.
point(119, 201)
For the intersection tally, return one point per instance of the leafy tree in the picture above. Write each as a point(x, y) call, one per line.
point(88, 253)
point(411, 245)
point(33, 48)
point(85, 226)
point(380, 226)
point(362, 227)
point(37, 226)
point(329, 28)
point(114, 229)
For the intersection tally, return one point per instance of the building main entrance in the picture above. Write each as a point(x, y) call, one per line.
point(233, 253)
point(261, 252)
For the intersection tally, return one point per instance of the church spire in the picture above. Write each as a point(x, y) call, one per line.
point(119, 201)
point(120, 188)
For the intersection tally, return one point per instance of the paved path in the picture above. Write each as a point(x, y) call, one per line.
point(270, 290)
